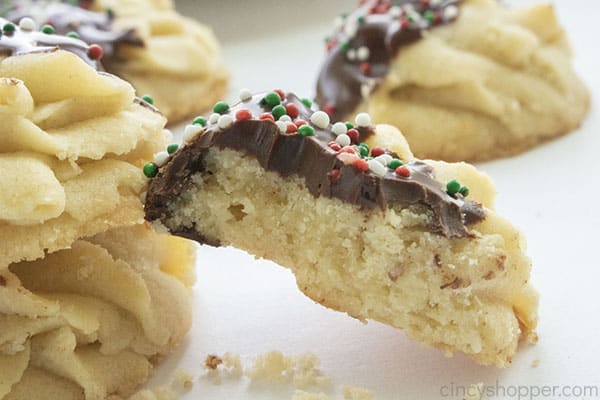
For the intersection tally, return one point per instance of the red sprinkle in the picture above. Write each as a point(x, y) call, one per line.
point(348, 149)
point(377, 151)
point(438, 17)
point(243, 114)
point(95, 52)
point(280, 93)
point(300, 122)
point(291, 128)
point(334, 145)
point(365, 68)
point(268, 116)
point(329, 109)
point(330, 44)
point(334, 175)
point(292, 110)
point(403, 171)
point(404, 23)
point(361, 165)
point(354, 134)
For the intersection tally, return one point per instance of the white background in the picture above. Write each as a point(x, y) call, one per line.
point(250, 307)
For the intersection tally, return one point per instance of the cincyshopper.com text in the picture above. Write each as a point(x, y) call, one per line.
point(520, 392)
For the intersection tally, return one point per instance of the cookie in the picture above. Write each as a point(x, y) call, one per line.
point(173, 59)
point(73, 143)
point(91, 321)
point(366, 228)
point(463, 80)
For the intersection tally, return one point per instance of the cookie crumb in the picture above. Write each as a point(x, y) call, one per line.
point(302, 371)
point(183, 379)
point(535, 363)
point(302, 395)
point(356, 393)
point(212, 362)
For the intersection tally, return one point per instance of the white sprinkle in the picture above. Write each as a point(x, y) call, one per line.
point(285, 118)
point(245, 94)
point(343, 140)
point(363, 53)
point(347, 158)
point(225, 121)
point(27, 24)
point(377, 168)
point(192, 130)
point(384, 159)
point(435, 3)
point(339, 128)
point(161, 158)
point(408, 8)
point(320, 119)
point(396, 12)
point(338, 22)
point(450, 12)
point(350, 29)
point(363, 120)
point(365, 90)
point(415, 17)
point(282, 125)
point(351, 55)
point(214, 117)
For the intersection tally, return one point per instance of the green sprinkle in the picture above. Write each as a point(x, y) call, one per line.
point(221, 107)
point(429, 15)
point(148, 99)
point(73, 35)
point(279, 111)
point(364, 149)
point(48, 29)
point(361, 19)
point(411, 17)
point(272, 99)
point(453, 187)
point(306, 102)
point(9, 27)
point(464, 191)
point(327, 39)
point(150, 170)
point(344, 15)
point(368, 158)
point(306, 130)
point(172, 148)
point(345, 46)
point(349, 125)
point(395, 163)
point(199, 121)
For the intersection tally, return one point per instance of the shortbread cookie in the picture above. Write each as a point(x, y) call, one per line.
point(72, 142)
point(173, 59)
point(91, 321)
point(366, 228)
point(463, 80)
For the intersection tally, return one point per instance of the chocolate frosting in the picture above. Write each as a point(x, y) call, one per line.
point(324, 171)
point(359, 53)
point(92, 27)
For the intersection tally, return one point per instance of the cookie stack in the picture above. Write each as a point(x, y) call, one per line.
point(90, 296)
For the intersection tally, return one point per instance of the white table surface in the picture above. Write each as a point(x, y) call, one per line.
point(250, 307)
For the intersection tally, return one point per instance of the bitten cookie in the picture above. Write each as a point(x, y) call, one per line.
point(463, 80)
point(161, 53)
point(366, 228)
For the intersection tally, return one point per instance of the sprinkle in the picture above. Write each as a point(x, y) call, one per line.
point(464, 191)
point(349, 125)
point(395, 163)
point(306, 102)
point(280, 93)
point(395, 12)
point(291, 127)
point(429, 15)
point(347, 158)
point(354, 134)
point(225, 121)
point(453, 187)
point(320, 119)
point(73, 35)
point(403, 171)
point(363, 120)
point(365, 68)
point(221, 107)
point(243, 114)
point(9, 27)
point(377, 151)
point(199, 121)
point(329, 109)
point(345, 46)
point(27, 24)
point(306, 130)
point(214, 117)
point(285, 118)
point(348, 149)
point(350, 29)
point(278, 111)
point(351, 55)
point(363, 53)
point(95, 52)
point(150, 170)
point(192, 130)
point(272, 99)
point(450, 12)
point(300, 122)
point(161, 158)
point(334, 145)
point(339, 128)
point(148, 99)
point(361, 20)
point(245, 94)
point(384, 159)
point(292, 110)
point(172, 148)
point(377, 168)
point(364, 149)
point(48, 29)
point(282, 126)
point(265, 116)
point(343, 140)
point(361, 165)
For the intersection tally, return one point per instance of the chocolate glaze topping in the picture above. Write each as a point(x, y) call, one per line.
point(92, 27)
point(326, 171)
point(361, 49)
